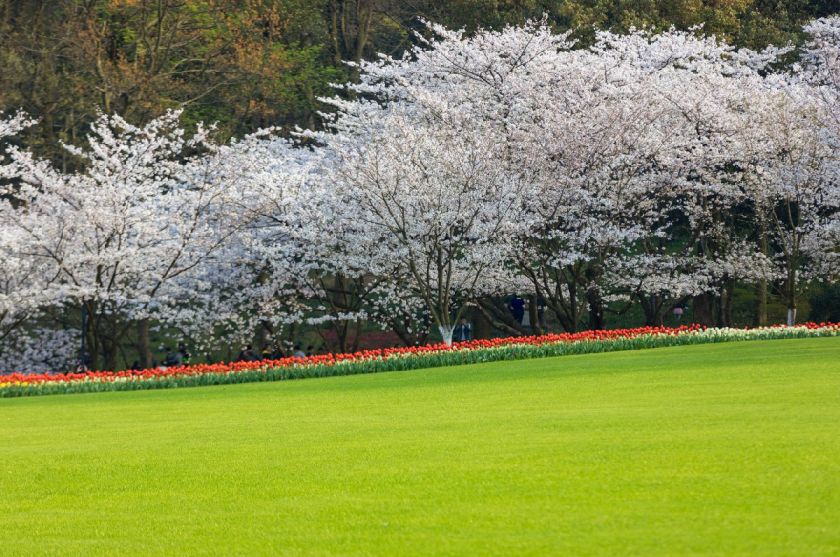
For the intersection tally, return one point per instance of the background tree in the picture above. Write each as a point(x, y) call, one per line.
point(249, 64)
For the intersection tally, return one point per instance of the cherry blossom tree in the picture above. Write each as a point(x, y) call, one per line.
point(265, 279)
point(124, 236)
point(620, 143)
point(25, 288)
point(631, 149)
point(821, 70)
point(821, 65)
point(692, 185)
point(439, 101)
point(794, 185)
point(425, 188)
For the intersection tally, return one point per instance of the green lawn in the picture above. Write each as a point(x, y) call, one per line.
point(720, 449)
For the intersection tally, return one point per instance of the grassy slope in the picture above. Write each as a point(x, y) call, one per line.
point(730, 448)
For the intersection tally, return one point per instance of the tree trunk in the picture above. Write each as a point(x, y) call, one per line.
point(482, 327)
point(704, 310)
point(760, 307)
point(533, 315)
point(498, 315)
point(573, 314)
point(790, 289)
point(357, 335)
point(342, 329)
point(91, 356)
point(264, 328)
point(650, 307)
point(593, 297)
point(596, 308)
point(725, 307)
point(144, 344)
point(264, 338)
point(109, 353)
point(446, 333)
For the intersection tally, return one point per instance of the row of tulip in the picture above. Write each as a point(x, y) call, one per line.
point(396, 359)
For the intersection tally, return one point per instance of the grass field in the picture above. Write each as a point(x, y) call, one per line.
point(719, 449)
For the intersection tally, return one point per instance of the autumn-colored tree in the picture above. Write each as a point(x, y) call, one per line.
point(247, 64)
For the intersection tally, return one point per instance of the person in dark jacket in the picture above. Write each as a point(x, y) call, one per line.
point(172, 358)
point(462, 331)
point(247, 354)
point(184, 353)
point(517, 308)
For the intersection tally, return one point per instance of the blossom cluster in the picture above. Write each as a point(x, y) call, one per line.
point(396, 359)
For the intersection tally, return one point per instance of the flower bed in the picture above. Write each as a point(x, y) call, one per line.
point(396, 359)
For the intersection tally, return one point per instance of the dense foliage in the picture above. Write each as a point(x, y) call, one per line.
point(248, 64)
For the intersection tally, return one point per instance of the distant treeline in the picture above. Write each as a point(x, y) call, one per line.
point(248, 64)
